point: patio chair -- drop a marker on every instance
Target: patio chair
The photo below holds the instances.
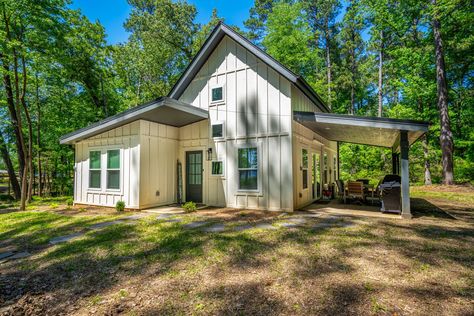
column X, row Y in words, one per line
column 341, row 193
column 355, row 190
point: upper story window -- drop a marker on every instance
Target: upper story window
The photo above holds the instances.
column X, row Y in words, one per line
column 94, row 169
column 113, row 169
column 217, row 130
column 217, row 94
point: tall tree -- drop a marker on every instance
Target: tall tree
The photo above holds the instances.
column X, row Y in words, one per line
column 322, row 18
column 446, row 136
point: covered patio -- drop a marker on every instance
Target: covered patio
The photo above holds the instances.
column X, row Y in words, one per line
column 396, row 134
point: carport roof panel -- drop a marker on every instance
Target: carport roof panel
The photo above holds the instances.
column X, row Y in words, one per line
column 164, row 110
column 375, row 131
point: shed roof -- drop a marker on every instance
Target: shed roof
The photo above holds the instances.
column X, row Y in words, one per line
column 163, row 110
column 375, row 131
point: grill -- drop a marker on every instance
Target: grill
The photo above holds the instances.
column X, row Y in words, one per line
column 390, row 192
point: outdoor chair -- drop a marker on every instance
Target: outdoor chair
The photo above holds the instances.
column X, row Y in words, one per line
column 341, row 192
column 355, row 190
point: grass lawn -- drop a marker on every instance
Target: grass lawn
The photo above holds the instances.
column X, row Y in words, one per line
column 383, row 266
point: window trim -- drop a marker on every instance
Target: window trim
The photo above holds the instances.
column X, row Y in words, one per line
column 215, row 86
column 223, row 130
column 103, row 174
column 107, row 169
column 90, row 169
column 216, row 174
column 259, row 174
column 304, row 168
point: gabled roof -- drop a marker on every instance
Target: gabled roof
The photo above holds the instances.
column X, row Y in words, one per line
column 163, row 110
column 210, row 45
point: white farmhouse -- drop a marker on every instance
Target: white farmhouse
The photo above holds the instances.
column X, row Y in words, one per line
column 238, row 130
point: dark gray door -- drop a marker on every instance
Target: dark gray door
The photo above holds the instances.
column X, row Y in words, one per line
column 194, row 176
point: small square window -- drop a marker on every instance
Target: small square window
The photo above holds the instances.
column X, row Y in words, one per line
column 217, row 130
column 217, row 94
column 217, row 168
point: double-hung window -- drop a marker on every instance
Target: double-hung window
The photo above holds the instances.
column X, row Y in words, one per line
column 248, row 168
column 113, row 169
column 94, row 169
column 304, row 164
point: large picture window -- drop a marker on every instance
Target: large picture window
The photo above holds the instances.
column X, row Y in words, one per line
column 248, row 168
column 113, row 169
column 304, row 164
column 94, row 170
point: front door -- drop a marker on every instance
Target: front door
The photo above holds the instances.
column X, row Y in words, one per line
column 194, row 176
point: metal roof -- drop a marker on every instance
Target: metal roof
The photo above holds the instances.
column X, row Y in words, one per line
column 211, row 43
column 375, row 131
column 163, row 110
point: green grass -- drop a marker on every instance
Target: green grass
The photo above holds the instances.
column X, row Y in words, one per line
column 463, row 197
column 302, row 271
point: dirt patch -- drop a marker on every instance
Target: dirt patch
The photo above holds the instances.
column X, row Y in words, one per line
column 233, row 215
column 459, row 188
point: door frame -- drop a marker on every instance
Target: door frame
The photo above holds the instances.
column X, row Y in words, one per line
column 186, row 166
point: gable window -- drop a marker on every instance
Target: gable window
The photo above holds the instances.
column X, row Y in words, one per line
column 94, row 170
column 304, row 164
column 217, row 130
column 248, row 168
column 217, row 94
column 113, row 169
column 217, row 168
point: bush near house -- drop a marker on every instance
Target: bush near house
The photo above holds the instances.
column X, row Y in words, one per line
column 120, row 206
column 189, row 207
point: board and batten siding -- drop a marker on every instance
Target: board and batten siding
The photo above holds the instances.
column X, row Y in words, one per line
column 127, row 139
column 256, row 112
column 158, row 161
column 304, row 138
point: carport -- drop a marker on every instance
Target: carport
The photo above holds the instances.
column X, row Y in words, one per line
column 396, row 134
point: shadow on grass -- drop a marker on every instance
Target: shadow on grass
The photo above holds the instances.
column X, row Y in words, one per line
column 423, row 208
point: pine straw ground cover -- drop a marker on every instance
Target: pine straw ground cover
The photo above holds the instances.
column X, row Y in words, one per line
column 379, row 266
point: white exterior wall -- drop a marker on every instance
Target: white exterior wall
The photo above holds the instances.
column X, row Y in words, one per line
column 304, row 138
column 158, row 161
column 127, row 139
column 256, row 111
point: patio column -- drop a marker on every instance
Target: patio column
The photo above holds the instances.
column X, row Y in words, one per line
column 404, row 174
column 395, row 163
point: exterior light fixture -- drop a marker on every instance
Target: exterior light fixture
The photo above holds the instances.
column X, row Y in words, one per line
column 209, row 154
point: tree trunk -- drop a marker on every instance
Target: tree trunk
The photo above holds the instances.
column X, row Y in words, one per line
column 380, row 93
column 427, row 161
column 11, row 171
column 328, row 62
column 38, row 139
column 446, row 136
column 353, row 76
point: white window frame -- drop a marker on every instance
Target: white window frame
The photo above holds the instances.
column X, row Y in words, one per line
column 259, row 174
column 303, row 168
column 223, row 171
column 215, row 86
column 107, row 169
column 103, row 174
column 223, row 130
column 89, row 171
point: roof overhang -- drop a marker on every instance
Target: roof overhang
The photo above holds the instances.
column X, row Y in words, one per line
column 211, row 43
column 164, row 110
column 375, row 131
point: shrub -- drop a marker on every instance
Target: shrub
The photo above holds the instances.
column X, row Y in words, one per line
column 189, row 207
column 70, row 201
column 120, row 206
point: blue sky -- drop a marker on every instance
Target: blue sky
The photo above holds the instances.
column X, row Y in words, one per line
column 113, row 13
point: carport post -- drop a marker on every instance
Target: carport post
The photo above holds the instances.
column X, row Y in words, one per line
column 404, row 174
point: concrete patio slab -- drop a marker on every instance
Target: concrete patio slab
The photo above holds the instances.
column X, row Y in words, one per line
column 7, row 254
column 216, row 228
column 265, row 226
column 61, row 239
column 242, row 227
column 196, row 224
